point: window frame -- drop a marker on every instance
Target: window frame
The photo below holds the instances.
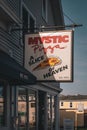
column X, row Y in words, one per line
column 62, row 104
column 29, row 14
column 44, row 9
column 3, row 102
column 33, row 104
column 22, row 37
column 28, row 107
column 71, row 104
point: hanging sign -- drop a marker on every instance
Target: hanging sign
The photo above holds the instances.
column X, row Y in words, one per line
column 48, row 55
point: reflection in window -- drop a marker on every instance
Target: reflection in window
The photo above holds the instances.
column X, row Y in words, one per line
column 70, row 104
column 2, row 106
column 22, row 107
column 32, row 104
column 51, row 114
column 61, row 103
column 44, row 9
column 32, row 24
column 27, row 109
column 32, row 109
column 28, row 21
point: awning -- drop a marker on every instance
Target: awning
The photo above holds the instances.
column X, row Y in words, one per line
column 13, row 72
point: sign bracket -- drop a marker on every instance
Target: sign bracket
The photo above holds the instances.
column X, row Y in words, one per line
column 46, row 28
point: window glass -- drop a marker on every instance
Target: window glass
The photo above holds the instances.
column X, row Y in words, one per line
column 51, row 114
column 44, row 9
column 22, row 111
column 61, row 103
column 28, row 22
column 41, row 110
column 27, row 109
column 25, row 20
column 32, row 104
column 32, row 24
column 70, row 104
column 32, row 109
column 2, row 105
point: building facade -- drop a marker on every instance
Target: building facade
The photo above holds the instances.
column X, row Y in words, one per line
column 24, row 103
column 75, row 109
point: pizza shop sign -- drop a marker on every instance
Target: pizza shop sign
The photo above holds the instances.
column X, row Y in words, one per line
column 48, row 55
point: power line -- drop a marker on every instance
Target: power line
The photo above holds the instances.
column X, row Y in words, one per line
column 69, row 18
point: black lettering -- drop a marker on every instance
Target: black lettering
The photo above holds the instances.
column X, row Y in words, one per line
column 53, row 72
column 47, row 75
column 33, row 60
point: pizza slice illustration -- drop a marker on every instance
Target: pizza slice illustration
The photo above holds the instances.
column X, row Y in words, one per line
column 49, row 62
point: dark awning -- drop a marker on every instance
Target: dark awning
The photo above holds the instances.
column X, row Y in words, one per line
column 13, row 72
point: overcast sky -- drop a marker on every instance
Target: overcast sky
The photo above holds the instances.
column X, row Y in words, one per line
column 76, row 10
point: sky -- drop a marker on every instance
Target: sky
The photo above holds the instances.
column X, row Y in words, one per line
column 75, row 11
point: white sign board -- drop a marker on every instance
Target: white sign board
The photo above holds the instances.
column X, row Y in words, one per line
column 68, row 124
column 48, row 55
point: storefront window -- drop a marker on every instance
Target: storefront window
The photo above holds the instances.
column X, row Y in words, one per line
column 50, row 112
column 2, row 105
column 41, row 110
column 26, row 109
column 53, row 114
column 32, row 110
column 22, row 114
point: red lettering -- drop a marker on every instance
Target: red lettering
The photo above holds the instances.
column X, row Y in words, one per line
column 65, row 38
column 48, row 39
column 46, row 49
column 34, row 40
column 37, row 47
column 60, row 39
